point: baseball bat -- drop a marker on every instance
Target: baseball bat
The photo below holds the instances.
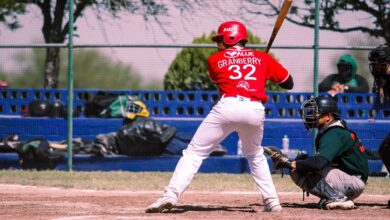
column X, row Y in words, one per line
column 279, row 21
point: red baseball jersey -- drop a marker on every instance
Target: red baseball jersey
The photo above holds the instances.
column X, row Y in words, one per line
column 244, row 72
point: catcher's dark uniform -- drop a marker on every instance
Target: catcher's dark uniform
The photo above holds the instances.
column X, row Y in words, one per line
column 340, row 160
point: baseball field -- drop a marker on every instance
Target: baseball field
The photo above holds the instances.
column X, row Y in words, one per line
column 124, row 195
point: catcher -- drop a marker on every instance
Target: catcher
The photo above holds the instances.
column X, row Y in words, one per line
column 338, row 173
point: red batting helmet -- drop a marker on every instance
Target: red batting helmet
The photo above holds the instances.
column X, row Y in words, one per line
column 231, row 32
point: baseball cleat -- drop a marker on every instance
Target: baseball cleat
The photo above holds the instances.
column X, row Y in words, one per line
column 162, row 204
column 342, row 204
column 272, row 208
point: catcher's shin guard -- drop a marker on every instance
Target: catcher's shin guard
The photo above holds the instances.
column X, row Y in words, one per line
column 330, row 198
column 323, row 190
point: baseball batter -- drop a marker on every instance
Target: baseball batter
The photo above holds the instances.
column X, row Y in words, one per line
column 241, row 76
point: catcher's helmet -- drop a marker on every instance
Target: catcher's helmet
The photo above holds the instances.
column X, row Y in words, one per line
column 314, row 107
column 379, row 59
column 231, row 32
column 136, row 108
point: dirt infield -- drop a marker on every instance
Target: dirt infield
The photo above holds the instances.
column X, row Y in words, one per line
column 28, row 202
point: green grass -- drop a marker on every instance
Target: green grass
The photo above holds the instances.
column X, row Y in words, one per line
column 138, row 181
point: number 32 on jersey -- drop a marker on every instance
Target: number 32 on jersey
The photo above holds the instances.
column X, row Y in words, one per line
column 247, row 71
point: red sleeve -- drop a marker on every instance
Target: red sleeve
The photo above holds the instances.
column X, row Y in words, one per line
column 275, row 71
column 210, row 69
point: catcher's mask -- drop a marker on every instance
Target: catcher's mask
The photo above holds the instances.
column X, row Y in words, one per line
column 231, row 33
column 379, row 60
column 312, row 108
column 136, row 108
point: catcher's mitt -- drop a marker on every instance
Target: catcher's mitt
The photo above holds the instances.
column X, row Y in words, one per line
column 279, row 159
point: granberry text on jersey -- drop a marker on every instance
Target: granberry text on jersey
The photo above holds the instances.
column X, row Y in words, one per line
column 241, row 60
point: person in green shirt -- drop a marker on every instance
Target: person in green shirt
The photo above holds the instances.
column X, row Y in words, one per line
column 338, row 172
column 346, row 80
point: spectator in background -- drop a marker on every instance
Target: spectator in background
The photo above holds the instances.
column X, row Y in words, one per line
column 346, row 80
column 379, row 59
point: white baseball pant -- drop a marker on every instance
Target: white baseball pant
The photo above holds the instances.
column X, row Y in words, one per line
column 228, row 115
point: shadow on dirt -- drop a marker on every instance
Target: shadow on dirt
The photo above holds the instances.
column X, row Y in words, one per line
column 300, row 205
column 382, row 205
column 197, row 208
column 295, row 205
column 250, row 208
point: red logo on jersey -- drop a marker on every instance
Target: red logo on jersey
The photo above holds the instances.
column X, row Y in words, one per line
column 243, row 84
column 361, row 148
column 353, row 136
column 234, row 54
